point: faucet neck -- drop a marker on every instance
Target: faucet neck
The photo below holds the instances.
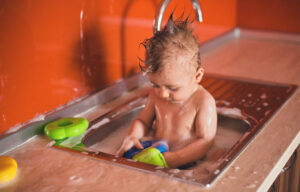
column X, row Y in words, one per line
column 162, row 9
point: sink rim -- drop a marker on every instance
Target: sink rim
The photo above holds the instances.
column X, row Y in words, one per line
column 255, row 126
column 135, row 108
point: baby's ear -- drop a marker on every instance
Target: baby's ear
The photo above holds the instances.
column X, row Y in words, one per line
column 199, row 74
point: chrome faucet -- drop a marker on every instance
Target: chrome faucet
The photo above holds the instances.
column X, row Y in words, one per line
column 163, row 6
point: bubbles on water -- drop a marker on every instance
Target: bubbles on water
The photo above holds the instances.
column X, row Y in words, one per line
column 188, row 173
column 251, row 186
column 131, row 160
column 158, row 167
column 223, row 102
column 236, row 168
column 162, row 173
column 175, row 171
column 75, row 179
column 50, row 144
column 258, row 108
column 231, row 112
column 267, row 112
column 263, row 96
column 265, row 104
column 171, row 175
column 217, row 172
column 250, row 95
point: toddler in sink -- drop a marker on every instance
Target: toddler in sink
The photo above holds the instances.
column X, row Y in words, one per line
column 178, row 108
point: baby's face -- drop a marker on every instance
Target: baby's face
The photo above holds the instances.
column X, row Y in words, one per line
column 175, row 85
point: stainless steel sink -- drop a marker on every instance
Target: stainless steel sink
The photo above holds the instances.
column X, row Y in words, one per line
column 108, row 137
column 243, row 106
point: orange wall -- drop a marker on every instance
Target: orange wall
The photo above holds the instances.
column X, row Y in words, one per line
column 278, row 15
column 52, row 52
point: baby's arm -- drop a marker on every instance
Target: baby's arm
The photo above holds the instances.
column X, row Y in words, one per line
column 205, row 127
column 139, row 126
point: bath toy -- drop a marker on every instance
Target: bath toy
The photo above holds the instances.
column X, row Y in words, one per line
column 76, row 146
column 66, row 127
column 160, row 144
column 8, row 168
column 151, row 154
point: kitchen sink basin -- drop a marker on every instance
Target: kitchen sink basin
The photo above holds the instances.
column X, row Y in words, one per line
column 243, row 107
column 108, row 138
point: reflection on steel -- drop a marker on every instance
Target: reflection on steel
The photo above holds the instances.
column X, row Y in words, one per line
column 12, row 139
column 164, row 4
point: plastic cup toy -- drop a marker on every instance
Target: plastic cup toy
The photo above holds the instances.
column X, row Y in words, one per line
column 8, row 168
column 151, row 154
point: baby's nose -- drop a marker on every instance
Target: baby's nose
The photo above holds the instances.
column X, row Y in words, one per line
column 164, row 93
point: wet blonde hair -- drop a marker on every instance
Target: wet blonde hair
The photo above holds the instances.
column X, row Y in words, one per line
column 176, row 39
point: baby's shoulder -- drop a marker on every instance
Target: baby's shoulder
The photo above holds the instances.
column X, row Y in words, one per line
column 203, row 98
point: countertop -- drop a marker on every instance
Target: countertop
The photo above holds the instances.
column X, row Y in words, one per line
column 263, row 56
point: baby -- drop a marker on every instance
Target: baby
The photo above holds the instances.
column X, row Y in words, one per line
column 179, row 109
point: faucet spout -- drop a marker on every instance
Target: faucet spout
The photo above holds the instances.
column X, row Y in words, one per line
column 162, row 9
column 197, row 8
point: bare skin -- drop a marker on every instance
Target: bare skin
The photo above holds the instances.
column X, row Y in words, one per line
column 185, row 115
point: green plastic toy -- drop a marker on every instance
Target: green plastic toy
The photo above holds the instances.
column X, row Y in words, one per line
column 152, row 156
column 75, row 145
column 66, row 127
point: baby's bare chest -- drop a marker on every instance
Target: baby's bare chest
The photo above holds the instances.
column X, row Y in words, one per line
column 175, row 119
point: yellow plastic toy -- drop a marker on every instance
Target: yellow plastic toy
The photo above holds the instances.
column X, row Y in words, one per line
column 8, row 168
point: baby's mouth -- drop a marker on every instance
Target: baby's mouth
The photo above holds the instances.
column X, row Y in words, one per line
column 173, row 101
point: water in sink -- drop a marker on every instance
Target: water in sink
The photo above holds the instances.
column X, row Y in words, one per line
column 229, row 131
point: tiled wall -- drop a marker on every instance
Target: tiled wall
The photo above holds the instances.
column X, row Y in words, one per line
column 52, row 52
column 277, row 15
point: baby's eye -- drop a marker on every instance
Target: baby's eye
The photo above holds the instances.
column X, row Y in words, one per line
column 154, row 85
column 174, row 89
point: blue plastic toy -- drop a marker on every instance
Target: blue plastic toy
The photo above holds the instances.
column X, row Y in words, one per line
column 151, row 154
column 159, row 144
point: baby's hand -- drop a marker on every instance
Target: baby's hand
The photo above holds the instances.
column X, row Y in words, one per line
column 128, row 143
